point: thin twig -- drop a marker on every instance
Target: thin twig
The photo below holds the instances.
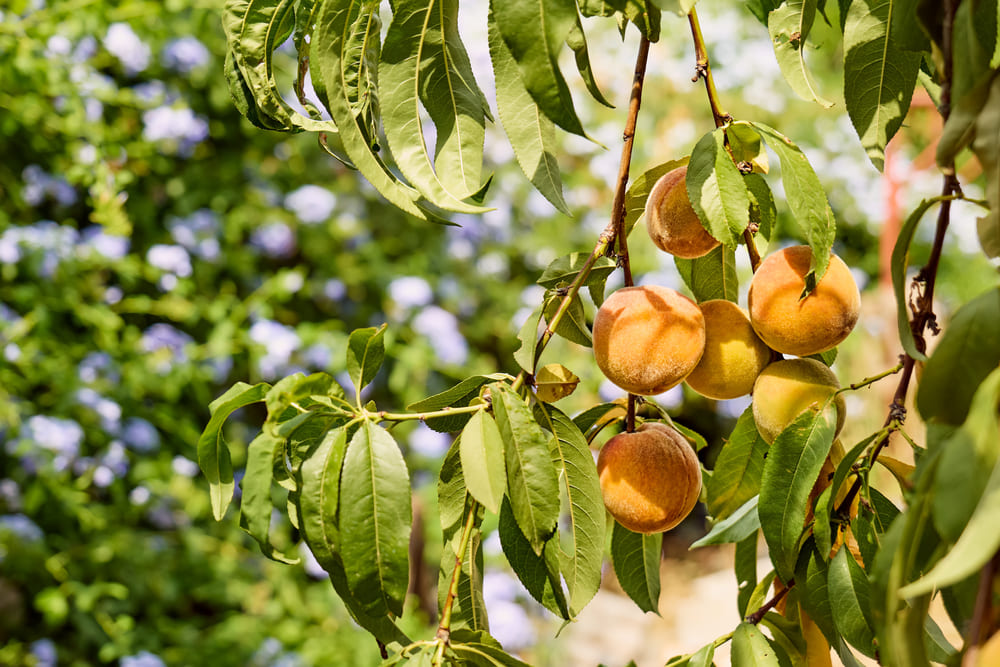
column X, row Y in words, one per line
column 758, row 615
column 873, row 379
column 982, row 615
column 703, row 70
column 444, row 628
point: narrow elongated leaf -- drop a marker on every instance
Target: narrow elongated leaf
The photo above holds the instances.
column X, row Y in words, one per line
column 255, row 503
column 745, row 567
column 716, row 189
column 365, row 352
column 636, row 559
column 535, row 32
column 747, row 148
column 848, row 589
column 213, row 453
column 375, row 517
column 254, row 30
column 531, row 133
column 573, row 324
column 967, row 353
column 711, row 276
column 469, row 607
column 483, row 460
column 577, row 40
column 343, row 31
column 458, row 396
column 751, row 648
column 879, row 76
column 792, row 466
column 823, row 529
column 532, row 485
column 485, row 655
column 811, row 578
column 763, row 212
column 638, row 192
column 900, row 260
column 319, row 482
column 424, row 62
column 805, row 197
column 582, row 536
column 537, row 570
column 986, row 146
column 787, row 637
column 738, row 469
column 599, row 415
column 789, row 26
column 738, row 526
column 528, row 335
column 966, row 462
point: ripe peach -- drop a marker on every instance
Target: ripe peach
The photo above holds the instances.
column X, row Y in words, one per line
column 802, row 327
column 647, row 339
column 786, row 388
column 650, row 478
column 671, row 222
column 734, row 354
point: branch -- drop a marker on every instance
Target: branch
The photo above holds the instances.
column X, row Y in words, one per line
column 703, row 70
column 444, row 629
column 758, row 615
column 982, row 615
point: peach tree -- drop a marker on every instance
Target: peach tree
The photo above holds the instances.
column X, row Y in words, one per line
column 384, row 94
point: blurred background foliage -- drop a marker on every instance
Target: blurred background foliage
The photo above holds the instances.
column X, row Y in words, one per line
column 155, row 248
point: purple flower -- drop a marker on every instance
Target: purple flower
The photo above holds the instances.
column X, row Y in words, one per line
column 441, row 329
column 185, row 54
column 171, row 258
column 197, row 232
column 122, row 42
column 184, row 467
column 22, row 527
column 180, row 125
column 311, row 203
column 280, row 342
column 57, row 435
column 142, row 659
column 162, row 336
column 141, row 436
column 410, row 292
column 276, row 239
column 45, row 653
column 428, row 442
column 95, row 240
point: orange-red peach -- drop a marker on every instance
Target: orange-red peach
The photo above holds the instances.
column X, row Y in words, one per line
column 791, row 324
column 671, row 221
column 650, row 478
column 648, row 339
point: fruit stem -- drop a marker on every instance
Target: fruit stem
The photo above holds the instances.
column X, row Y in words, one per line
column 444, row 628
column 703, row 70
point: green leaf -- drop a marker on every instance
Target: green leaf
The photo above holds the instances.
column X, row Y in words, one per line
column 805, row 197
column 967, row 353
column 213, row 454
column 746, row 147
column 458, row 396
column 745, row 567
column 907, row 31
column 986, row 146
column 469, row 607
column 966, row 461
column 751, row 649
column 823, row 529
column 483, row 460
column 318, row 499
column 484, row 655
column 424, row 64
column 573, row 324
column 980, row 538
column 255, row 503
column 599, row 414
column 532, row 485
column 789, row 26
column 563, row 271
column 528, row 335
column 638, row 192
column 254, row 30
column 738, row 526
column 787, row 637
column 716, row 189
column 532, row 135
column 636, row 559
column 879, row 76
column 848, row 588
column 792, row 466
column 538, row 569
column 811, row 577
column 365, row 353
column 534, row 32
column 645, row 15
column 762, row 208
column 343, row 33
column 375, row 516
column 900, row 260
column 577, row 41
column 738, row 469
column 711, row 276
column 582, row 535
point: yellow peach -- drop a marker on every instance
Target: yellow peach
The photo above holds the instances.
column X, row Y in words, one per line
column 785, row 388
column 671, row 222
column 734, row 354
column 650, row 478
column 791, row 324
column 648, row 339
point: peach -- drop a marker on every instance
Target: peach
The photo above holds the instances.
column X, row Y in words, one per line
column 792, row 325
column 671, row 221
column 734, row 354
column 648, row 339
column 786, row 388
column 650, row 478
